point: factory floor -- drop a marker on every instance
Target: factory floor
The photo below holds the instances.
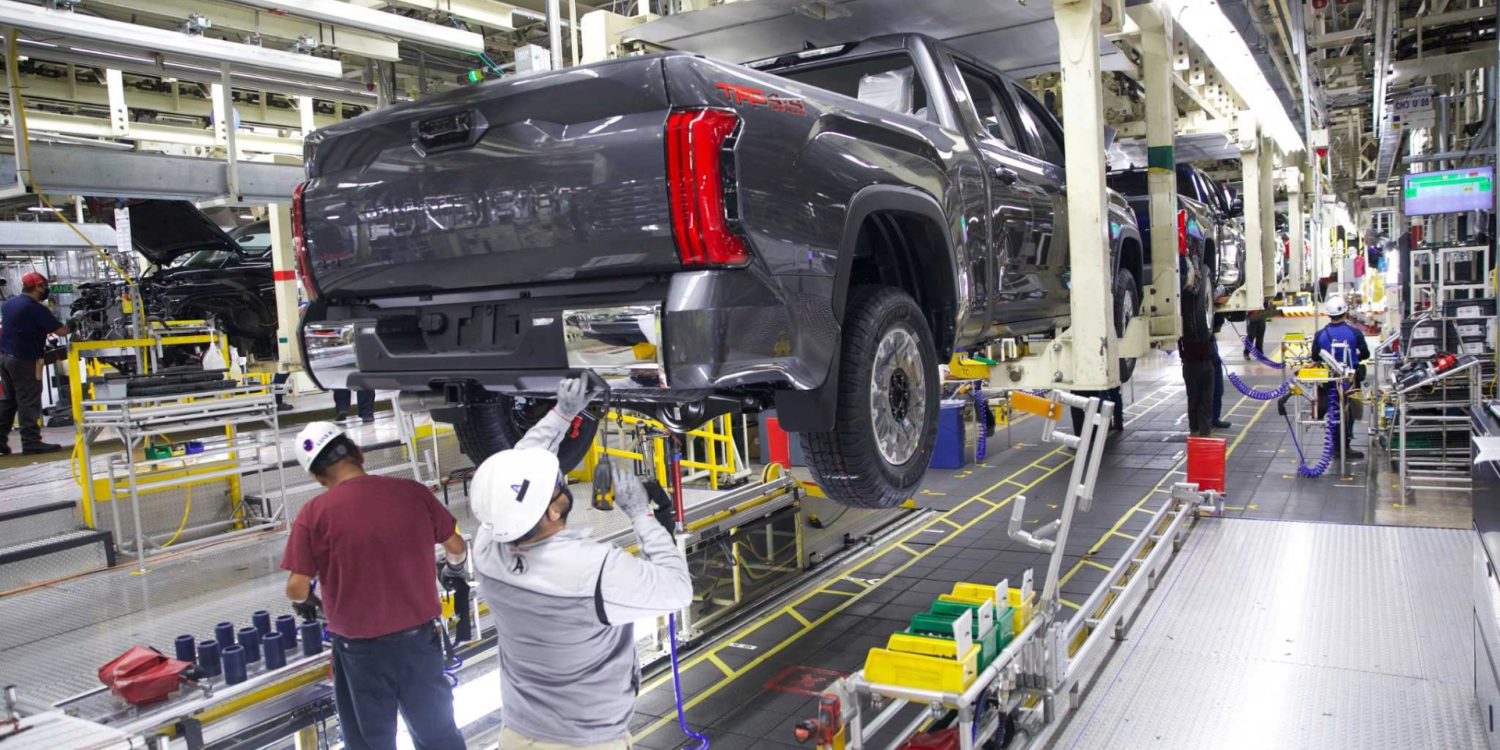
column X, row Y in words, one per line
column 1292, row 616
column 1290, row 545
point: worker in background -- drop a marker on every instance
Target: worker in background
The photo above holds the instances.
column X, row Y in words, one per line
column 365, row 402
column 25, row 324
column 568, row 668
column 369, row 541
column 1347, row 344
column 1255, row 327
column 1197, row 350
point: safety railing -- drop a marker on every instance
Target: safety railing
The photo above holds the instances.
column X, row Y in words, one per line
column 711, row 453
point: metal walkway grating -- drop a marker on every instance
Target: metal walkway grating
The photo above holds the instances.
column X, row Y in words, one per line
column 1276, row 634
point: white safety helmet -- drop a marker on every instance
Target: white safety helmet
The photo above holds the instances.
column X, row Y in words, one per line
column 1335, row 306
column 512, row 490
column 313, row 439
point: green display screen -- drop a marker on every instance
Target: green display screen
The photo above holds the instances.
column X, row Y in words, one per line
column 1450, row 191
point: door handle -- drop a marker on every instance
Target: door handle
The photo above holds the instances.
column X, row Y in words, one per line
column 1006, row 175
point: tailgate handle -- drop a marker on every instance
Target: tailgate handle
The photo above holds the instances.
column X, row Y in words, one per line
column 447, row 131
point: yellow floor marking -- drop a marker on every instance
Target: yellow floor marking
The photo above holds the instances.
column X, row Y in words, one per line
column 862, row 584
column 792, row 638
column 836, row 592
column 986, row 501
column 1122, row 535
column 950, row 522
column 716, row 661
column 902, row 546
column 1066, row 603
column 798, row 616
column 1093, row 564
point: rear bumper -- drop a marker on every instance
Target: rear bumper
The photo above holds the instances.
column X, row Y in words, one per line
column 655, row 340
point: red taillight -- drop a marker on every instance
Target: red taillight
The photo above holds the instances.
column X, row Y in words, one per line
column 299, row 245
column 1182, row 235
column 695, row 178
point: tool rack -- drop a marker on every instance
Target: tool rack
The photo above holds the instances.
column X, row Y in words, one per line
column 231, row 456
column 1435, row 407
column 1050, row 657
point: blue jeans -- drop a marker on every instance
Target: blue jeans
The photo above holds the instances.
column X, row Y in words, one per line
column 366, row 402
column 373, row 679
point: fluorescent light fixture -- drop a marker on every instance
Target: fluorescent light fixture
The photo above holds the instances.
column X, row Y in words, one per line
column 354, row 16
column 1221, row 41
column 214, row 51
column 152, row 65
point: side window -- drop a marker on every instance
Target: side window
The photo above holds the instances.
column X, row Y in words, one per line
column 989, row 105
column 1038, row 124
column 886, row 81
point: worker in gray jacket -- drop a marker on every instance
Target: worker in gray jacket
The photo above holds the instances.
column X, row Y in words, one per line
column 565, row 605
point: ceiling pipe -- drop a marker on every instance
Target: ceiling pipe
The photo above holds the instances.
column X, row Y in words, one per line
column 353, row 16
column 554, row 33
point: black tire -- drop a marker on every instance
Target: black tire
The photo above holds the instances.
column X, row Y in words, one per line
column 848, row 462
column 1198, row 310
column 1127, row 305
column 487, row 428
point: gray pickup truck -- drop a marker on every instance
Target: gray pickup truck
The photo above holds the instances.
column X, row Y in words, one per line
column 815, row 233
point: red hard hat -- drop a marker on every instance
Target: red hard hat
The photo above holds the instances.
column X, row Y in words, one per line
column 32, row 280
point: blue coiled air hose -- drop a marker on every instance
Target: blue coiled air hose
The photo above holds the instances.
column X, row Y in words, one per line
column 1330, row 438
column 677, row 688
column 1258, row 395
column 1256, row 353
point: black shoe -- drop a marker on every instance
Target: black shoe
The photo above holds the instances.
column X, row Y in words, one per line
column 4, row 447
column 283, row 406
column 1223, row 424
column 41, row 448
column 1351, row 453
column 340, row 416
column 1247, row 354
column 368, row 419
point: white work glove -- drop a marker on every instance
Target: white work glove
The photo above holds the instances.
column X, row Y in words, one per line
column 572, row 397
column 630, row 495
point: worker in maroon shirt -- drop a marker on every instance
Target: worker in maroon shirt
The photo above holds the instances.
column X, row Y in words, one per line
column 369, row 541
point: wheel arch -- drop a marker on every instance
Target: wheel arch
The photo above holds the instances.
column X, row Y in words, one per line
column 905, row 222
column 934, row 278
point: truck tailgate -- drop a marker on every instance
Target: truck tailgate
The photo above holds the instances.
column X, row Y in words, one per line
column 550, row 177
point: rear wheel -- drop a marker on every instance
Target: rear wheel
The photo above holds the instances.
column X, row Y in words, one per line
column 1127, row 304
column 887, row 408
column 488, row 427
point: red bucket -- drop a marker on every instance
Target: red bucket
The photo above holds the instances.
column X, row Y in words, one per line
column 1205, row 462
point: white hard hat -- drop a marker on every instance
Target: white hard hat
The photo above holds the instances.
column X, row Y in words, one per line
column 313, row 439
column 512, row 490
column 1335, row 306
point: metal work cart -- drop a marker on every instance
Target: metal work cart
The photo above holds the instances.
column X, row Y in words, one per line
column 230, row 456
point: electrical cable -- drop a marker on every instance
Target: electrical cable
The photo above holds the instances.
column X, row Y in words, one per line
column 484, row 57
column 677, row 688
column 188, row 509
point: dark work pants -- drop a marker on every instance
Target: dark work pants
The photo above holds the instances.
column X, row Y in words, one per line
column 1255, row 330
column 373, row 679
column 22, row 401
column 1117, row 420
column 1218, row 407
column 366, row 398
column 1198, row 376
